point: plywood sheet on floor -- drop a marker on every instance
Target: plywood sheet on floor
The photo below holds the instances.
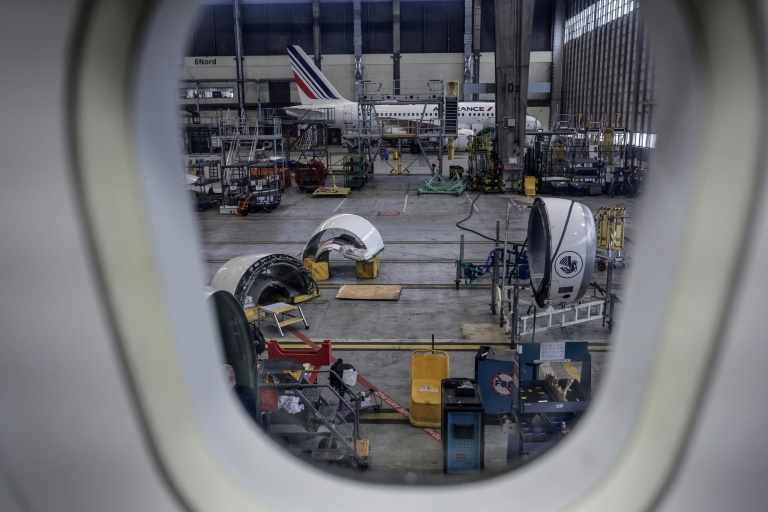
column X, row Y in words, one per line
column 483, row 333
column 369, row 292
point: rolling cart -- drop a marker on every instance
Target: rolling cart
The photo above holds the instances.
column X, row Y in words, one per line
column 265, row 190
column 310, row 176
column 366, row 399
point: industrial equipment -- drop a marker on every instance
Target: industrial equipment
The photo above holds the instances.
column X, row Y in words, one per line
column 437, row 185
column 497, row 372
column 428, row 369
column 352, row 236
column 561, row 250
column 355, row 167
column 299, row 406
column 549, row 406
column 463, row 426
column 561, row 258
column 610, row 223
column 516, row 265
column 265, row 279
column 484, row 167
column 310, row 176
column 282, row 313
column 316, row 357
column 250, row 187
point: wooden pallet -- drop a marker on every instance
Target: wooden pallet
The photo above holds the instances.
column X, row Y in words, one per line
column 331, row 192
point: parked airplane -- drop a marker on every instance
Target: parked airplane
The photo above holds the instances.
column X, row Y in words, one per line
column 317, row 92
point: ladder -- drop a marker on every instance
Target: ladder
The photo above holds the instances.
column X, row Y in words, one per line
column 327, row 408
column 307, row 139
column 283, row 314
column 451, row 116
column 239, row 135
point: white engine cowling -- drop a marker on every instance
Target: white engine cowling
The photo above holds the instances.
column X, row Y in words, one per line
column 561, row 250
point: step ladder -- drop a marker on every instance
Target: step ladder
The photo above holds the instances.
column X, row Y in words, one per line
column 283, row 314
column 307, row 138
column 343, row 437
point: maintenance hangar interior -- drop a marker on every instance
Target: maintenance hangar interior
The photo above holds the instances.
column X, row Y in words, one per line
column 329, row 253
column 420, row 257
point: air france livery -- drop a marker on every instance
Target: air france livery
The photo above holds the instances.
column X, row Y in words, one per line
column 317, row 93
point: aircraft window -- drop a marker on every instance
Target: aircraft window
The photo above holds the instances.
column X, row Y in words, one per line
column 164, row 244
column 461, row 431
column 255, row 190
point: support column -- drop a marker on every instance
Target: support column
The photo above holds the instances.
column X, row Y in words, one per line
column 316, row 32
column 396, row 45
column 357, row 39
column 514, row 24
column 239, row 57
column 476, row 46
column 197, row 98
column 467, row 41
column 558, row 38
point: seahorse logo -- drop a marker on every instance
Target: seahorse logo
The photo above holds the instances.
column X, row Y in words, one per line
column 569, row 264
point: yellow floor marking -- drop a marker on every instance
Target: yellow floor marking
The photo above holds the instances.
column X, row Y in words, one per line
column 380, row 416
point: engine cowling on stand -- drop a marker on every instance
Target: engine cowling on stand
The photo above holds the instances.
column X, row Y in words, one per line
column 561, row 250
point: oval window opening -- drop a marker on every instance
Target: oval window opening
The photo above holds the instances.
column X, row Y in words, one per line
column 398, row 306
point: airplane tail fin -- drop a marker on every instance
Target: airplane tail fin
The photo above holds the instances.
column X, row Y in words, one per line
column 313, row 86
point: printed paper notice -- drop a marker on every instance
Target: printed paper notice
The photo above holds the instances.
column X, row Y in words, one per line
column 554, row 351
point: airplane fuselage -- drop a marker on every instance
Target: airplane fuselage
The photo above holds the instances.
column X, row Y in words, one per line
column 470, row 114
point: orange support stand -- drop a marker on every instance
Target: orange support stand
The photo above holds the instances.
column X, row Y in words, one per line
column 320, row 357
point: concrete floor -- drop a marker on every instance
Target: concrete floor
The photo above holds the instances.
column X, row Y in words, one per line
column 421, row 245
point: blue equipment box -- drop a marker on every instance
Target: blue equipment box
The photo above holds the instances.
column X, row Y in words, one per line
column 463, row 426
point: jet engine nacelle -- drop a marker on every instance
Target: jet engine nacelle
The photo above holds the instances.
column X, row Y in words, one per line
column 561, row 250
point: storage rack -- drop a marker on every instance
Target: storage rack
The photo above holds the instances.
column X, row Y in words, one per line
column 578, row 158
column 542, row 418
column 484, row 173
column 354, row 171
column 258, row 187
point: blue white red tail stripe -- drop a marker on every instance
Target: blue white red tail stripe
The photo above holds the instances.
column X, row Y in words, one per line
column 310, row 80
column 310, row 76
column 305, row 79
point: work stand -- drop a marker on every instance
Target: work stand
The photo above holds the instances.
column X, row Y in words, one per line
column 283, row 314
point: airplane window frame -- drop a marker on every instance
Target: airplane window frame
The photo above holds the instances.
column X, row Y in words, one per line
column 220, row 462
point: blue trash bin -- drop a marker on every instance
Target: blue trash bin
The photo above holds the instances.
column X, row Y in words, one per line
column 384, row 153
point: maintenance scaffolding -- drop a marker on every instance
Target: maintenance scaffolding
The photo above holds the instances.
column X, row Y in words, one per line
column 369, row 129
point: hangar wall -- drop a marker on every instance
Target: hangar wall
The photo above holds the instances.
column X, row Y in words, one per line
column 608, row 66
column 590, row 59
column 431, row 46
